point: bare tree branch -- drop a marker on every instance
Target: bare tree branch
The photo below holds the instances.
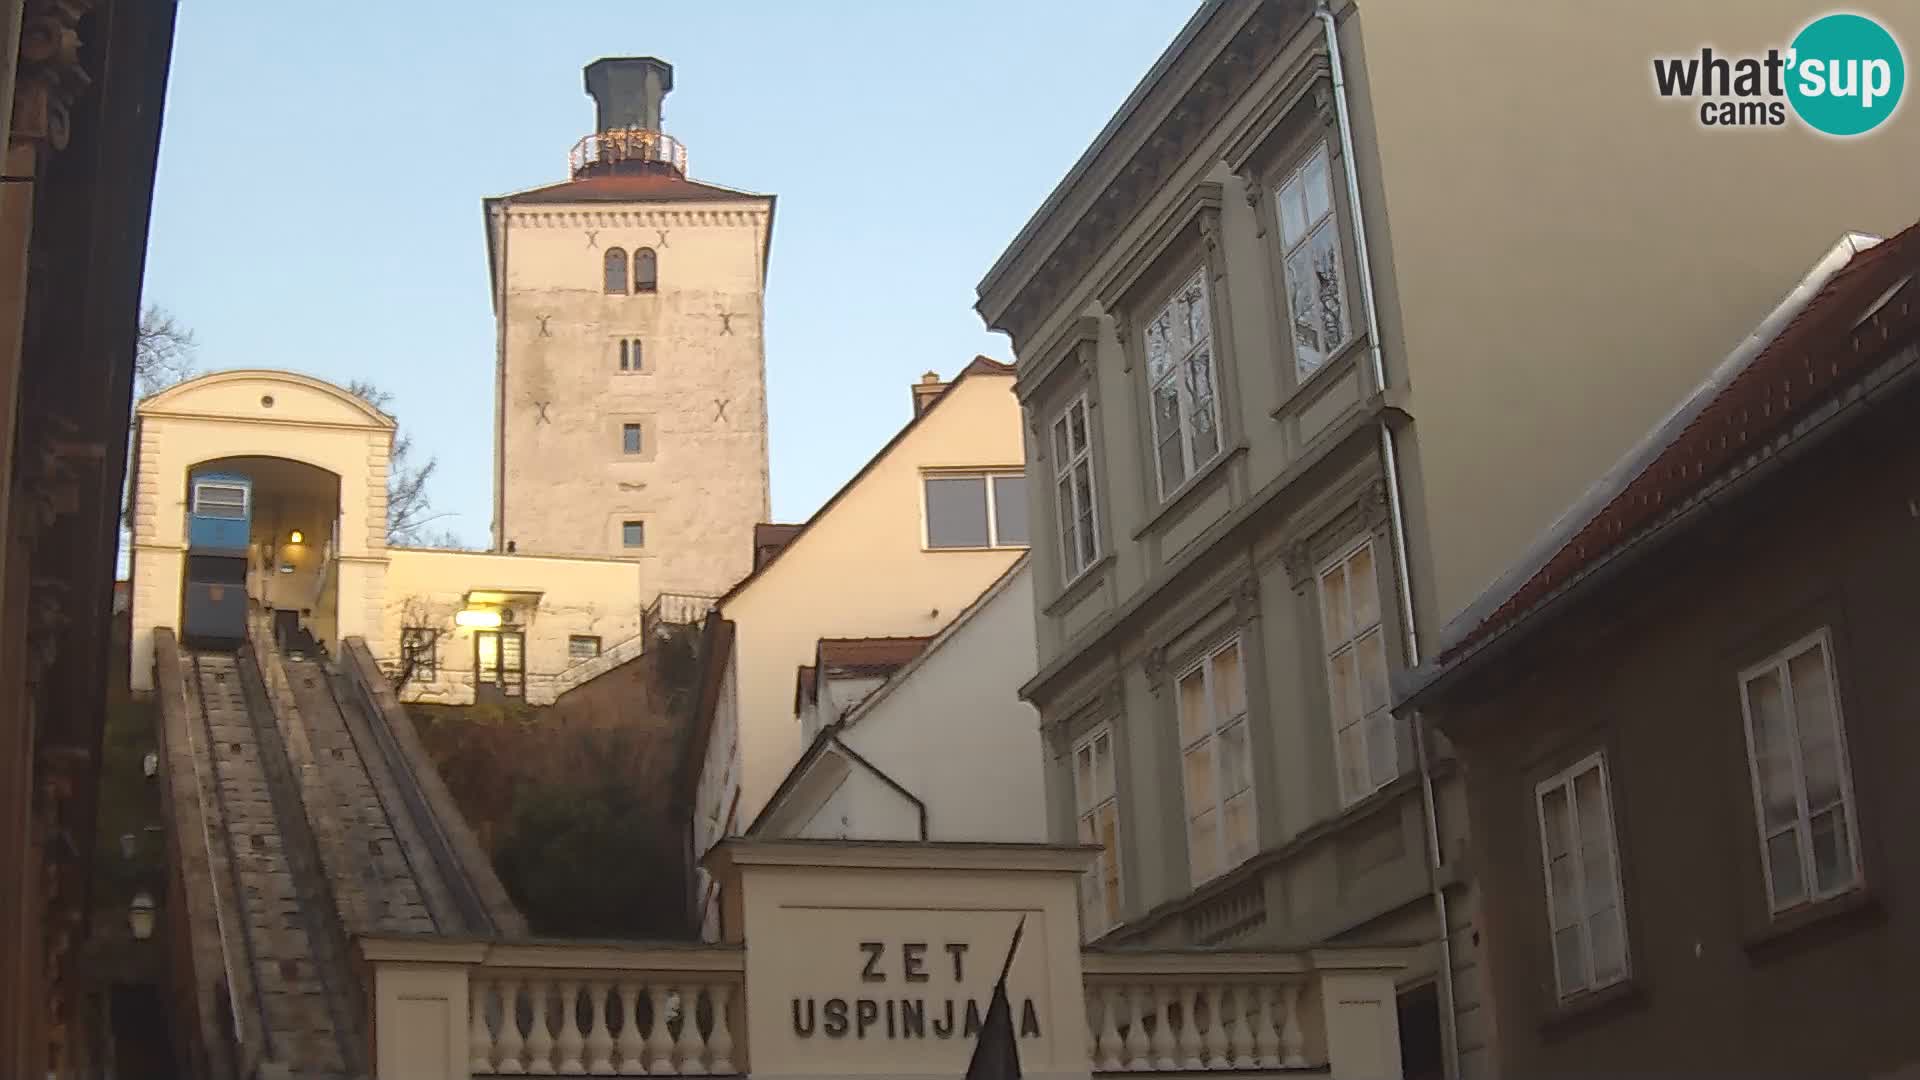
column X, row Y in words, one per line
column 409, row 509
column 163, row 351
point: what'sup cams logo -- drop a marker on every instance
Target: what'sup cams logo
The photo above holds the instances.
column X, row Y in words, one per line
column 1843, row 75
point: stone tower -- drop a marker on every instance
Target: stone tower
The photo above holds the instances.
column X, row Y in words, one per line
column 630, row 385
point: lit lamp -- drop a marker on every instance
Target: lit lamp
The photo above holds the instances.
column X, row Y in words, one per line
column 140, row 915
column 295, row 537
column 477, row 618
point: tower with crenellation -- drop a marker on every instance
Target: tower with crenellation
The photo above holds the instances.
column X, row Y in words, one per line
column 630, row 385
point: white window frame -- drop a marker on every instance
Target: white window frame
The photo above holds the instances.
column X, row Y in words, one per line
column 1811, row 892
column 1087, row 807
column 986, row 477
column 1565, row 780
column 1191, row 466
column 1330, row 219
column 1216, row 723
column 246, row 496
column 1075, row 539
column 1332, row 650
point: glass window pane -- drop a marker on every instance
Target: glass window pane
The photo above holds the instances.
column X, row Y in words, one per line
column 1333, row 608
column 1330, row 304
column 1236, row 760
column 1819, row 735
column 1609, row 946
column 1783, row 866
column 1570, row 960
column 1596, row 860
column 630, row 438
column 1832, row 851
column 1364, row 588
column 1563, row 881
column 1352, row 751
column 1304, row 304
column 1557, row 821
column 1083, row 777
column 1077, row 426
column 1343, row 694
column 1102, row 767
column 1316, row 183
column 615, row 265
column 1062, row 454
column 1010, row 509
column 487, row 644
column 1293, row 212
column 1229, row 688
column 633, row 534
column 1194, row 305
column 1773, row 750
column 1383, row 757
column 1203, row 431
column 956, row 511
column 1069, row 543
column 1083, row 503
column 1198, row 770
column 1166, row 430
column 1194, row 722
column 1370, row 656
column 1160, row 351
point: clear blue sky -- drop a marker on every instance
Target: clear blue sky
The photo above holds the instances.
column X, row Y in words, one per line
column 322, row 166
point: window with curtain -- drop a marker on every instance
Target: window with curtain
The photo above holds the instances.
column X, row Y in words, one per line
column 1802, row 787
column 1216, row 764
column 616, row 271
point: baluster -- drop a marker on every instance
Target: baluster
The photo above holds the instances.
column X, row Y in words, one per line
column 659, row 1042
column 633, row 1048
column 479, row 1038
column 1093, row 1029
column 1190, row 1027
column 599, row 1031
column 1109, row 1042
column 1139, row 1050
column 570, row 1040
column 691, row 1048
column 1163, row 1030
column 721, row 1041
column 1293, row 1044
column 1228, row 1001
column 512, row 1050
column 1266, row 1043
column 540, row 1039
column 1216, row 1037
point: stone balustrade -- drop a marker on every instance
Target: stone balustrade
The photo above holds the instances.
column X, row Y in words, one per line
column 1193, row 1011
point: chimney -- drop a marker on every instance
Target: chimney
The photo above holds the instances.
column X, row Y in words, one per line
column 627, row 91
column 924, row 391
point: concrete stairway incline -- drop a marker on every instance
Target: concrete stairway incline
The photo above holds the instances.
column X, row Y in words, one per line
column 300, row 817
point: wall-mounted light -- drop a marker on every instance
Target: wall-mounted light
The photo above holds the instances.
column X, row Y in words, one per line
column 296, row 537
column 150, row 765
column 480, row 618
column 140, row 915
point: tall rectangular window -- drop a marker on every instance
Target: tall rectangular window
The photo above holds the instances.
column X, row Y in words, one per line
column 1366, row 741
column 978, row 510
column 633, row 534
column 1310, row 248
column 1073, row 479
column 1097, row 807
column 1216, row 764
column 1802, row 784
column 1582, row 864
column 1180, row 379
column 629, row 438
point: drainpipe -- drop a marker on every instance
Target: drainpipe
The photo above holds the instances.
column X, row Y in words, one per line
column 1396, row 514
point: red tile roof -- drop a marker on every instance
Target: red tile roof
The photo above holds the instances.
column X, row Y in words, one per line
column 769, row 538
column 657, row 185
column 1831, row 343
column 869, row 656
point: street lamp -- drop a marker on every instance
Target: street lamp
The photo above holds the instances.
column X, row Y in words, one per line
column 140, row 915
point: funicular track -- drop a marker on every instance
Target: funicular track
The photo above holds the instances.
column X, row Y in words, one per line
column 285, row 951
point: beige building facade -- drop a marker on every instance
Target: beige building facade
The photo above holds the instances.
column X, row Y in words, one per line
column 464, row 626
column 631, row 392
column 872, row 562
column 1310, row 342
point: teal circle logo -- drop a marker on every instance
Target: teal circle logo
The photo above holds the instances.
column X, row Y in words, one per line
column 1846, row 74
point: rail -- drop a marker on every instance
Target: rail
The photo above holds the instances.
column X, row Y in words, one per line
column 675, row 609
column 609, row 148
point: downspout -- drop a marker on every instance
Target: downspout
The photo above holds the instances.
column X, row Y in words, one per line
column 1396, row 515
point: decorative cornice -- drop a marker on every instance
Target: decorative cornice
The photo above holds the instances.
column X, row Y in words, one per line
column 50, row 76
column 1298, row 560
column 1168, row 147
column 613, row 219
column 1246, row 600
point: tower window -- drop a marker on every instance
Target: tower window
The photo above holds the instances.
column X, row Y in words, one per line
column 646, row 270
column 616, row 271
column 633, row 534
column 630, row 438
column 630, row 354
